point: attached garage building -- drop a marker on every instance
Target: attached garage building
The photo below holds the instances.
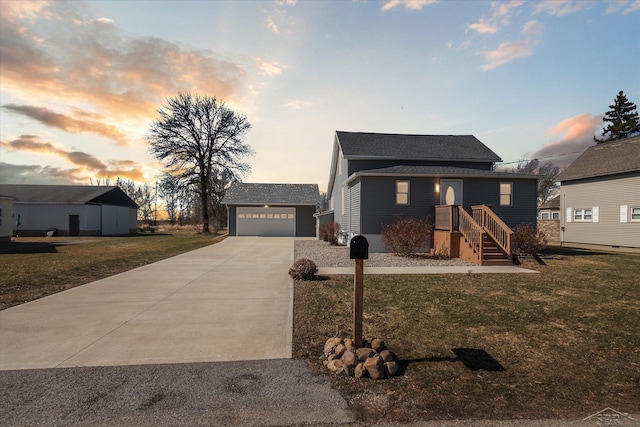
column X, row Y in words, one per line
column 271, row 209
column 74, row 210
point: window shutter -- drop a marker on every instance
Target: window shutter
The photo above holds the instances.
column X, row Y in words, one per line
column 595, row 214
column 623, row 213
column 569, row 213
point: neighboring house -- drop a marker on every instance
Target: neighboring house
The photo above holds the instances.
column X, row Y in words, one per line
column 600, row 196
column 74, row 210
column 549, row 219
column 271, row 209
column 6, row 218
column 376, row 177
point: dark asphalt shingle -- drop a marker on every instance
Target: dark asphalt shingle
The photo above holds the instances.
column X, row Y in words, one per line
column 442, row 172
column 241, row 193
column 416, row 147
column 67, row 194
column 608, row 158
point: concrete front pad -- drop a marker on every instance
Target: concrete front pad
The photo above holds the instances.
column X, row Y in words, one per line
column 228, row 301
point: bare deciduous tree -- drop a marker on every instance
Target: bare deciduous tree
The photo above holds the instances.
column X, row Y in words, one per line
column 548, row 172
column 197, row 137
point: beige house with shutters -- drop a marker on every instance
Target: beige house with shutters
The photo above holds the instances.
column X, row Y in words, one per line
column 600, row 197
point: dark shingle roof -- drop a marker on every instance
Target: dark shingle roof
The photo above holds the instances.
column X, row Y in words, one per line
column 416, row 147
column 604, row 159
column 551, row 204
column 67, row 194
column 242, row 193
column 441, row 172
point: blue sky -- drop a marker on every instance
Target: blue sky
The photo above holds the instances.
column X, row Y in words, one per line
column 80, row 81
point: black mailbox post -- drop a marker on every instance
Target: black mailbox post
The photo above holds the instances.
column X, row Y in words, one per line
column 359, row 247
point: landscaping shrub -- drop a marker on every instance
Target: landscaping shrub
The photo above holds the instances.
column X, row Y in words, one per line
column 528, row 240
column 330, row 232
column 406, row 236
column 303, row 269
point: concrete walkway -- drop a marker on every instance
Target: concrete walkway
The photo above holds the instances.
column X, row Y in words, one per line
column 225, row 302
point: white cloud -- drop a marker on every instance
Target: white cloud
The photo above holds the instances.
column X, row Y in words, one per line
column 484, row 27
column 635, row 6
column 106, row 21
column 561, row 7
column 500, row 17
column 296, row 104
column 271, row 24
column 506, row 52
column 272, row 68
column 408, row 4
column 533, row 27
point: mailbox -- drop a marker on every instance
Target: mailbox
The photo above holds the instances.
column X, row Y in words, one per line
column 359, row 248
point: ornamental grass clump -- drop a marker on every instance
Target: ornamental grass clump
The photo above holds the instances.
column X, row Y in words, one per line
column 303, row 269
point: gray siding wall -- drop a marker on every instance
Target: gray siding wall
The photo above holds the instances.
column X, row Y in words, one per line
column 305, row 222
column 378, row 201
column 354, row 207
column 231, row 217
column 336, row 195
column 360, row 165
column 608, row 195
column 487, row 191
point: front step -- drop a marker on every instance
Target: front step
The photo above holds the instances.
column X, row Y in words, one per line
column 492, row 255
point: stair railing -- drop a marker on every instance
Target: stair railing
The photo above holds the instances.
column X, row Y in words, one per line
column 494, row 227
column 471, row 231
column 446, row 217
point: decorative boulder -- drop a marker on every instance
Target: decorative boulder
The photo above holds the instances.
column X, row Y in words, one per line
column 335, row 365
column 363, row 353
column 391, row 368
column 387, row 356
column 375, row 367
column 349, row 359
column 349, row 344
column 378, row 345
column 330, row 345
column 359, row 371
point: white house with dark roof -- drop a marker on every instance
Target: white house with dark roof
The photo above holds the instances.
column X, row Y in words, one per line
column 6, row 218
column 376, row 177
column 271, row 209
column 600, row 196
column 74, row 210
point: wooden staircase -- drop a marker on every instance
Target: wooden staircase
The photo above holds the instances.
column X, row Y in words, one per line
column 479, row 236
column 492, row 254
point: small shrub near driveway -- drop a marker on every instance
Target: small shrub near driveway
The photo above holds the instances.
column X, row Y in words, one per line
column 528, row 240
column 303, row 269
column 406, row 236
column 329, row 232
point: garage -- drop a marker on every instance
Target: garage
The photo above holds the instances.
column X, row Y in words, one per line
column 271, row 210
column 270, row 221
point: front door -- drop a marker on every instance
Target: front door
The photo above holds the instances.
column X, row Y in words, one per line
column 451, row 192
column 74, row 225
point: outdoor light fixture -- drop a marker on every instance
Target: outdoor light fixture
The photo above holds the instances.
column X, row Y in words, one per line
column 266, row 206
column 437, row 187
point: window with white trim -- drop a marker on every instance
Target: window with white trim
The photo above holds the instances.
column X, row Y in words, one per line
column 555, row 215
column 584, row 215
column 545, row 215
column 402, row 192
column 635, row 214
column 506, row 194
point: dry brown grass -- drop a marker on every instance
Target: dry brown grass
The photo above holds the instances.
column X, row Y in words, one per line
column 36, row 267
column 561, row 344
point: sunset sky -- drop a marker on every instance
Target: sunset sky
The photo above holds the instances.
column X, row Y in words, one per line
column 80, row 82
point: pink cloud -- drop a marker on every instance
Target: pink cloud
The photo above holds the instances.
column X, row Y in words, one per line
column 577, row 135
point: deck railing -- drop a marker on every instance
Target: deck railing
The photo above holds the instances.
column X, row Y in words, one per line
column 471, row 231
column 494, row 226
column 446, row 217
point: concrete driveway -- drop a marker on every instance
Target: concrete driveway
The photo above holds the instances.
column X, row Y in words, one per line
column 225, row 302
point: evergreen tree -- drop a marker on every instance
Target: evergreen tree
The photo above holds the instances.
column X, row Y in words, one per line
column 622, row 118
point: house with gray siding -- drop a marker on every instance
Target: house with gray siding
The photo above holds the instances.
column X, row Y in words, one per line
column 73, row 210
column 271, row 209
column 376, row 177
column 600, row 197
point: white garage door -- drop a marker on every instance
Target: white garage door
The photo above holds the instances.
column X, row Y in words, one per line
column 270, row 221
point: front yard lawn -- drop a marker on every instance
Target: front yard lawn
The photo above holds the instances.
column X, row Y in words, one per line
column 36, row 267
column 561, row 344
